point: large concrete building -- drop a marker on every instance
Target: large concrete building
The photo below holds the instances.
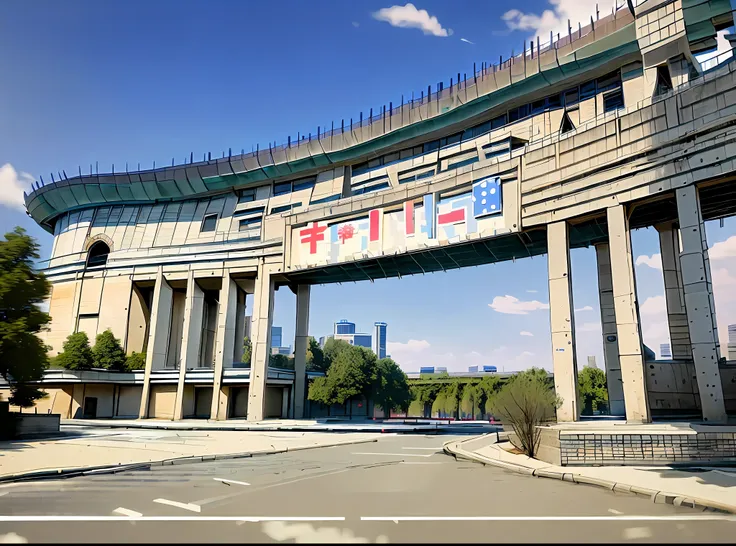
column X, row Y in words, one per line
column 612, row 126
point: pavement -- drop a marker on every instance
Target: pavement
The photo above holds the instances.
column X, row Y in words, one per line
column 697, row 486
column 400, row 488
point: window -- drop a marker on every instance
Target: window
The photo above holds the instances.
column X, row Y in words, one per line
column 664, row 82
column 566, row 125
column 555, row 101
column 246, row 196
column 572, row 96
column 613, row 100
column 285, row 208
column 539, row 106
column 282, row 188
column 305, row 183
column 587, row 90
column 97, row 255
column 249, row 223
column 462, row 163
column 606, row 83
column 327, row 199
column 209, row 223
column 365, row 189
column 499, row 121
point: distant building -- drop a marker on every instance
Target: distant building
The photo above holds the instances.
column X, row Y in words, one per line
column 323, row 340
column 732, row 341
column 591, row 362
column 276, row 336
column 441, row 370
column 426, row 369
column 344, row 327
column 473, row 369
column 379, row 339
column 490, row 369
column 665, row 352
column 360, row 340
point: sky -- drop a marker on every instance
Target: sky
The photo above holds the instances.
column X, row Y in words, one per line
column 136, row 82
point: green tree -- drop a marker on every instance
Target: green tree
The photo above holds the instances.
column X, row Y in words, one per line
column 22, row 354
column 281, row 361
column 391, row 389
column 108, row 353
column 592, row 390
column 247, row 350
column 487, row 388
column 316, row 361
column 524, row 404
column 333, row 347
column 352, row 373
column 77, row 354
column 135, row 361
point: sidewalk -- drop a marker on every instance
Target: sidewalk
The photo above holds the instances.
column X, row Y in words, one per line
column 699, row 487
column 85, row 449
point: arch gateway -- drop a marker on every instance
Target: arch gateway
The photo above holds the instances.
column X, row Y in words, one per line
column 611, row 127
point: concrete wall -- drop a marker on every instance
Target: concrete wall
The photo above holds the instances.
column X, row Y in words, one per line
column 673, row 387
column 128, row 401
column 161, row 401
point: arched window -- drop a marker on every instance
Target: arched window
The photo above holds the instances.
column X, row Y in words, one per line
column 97, row 254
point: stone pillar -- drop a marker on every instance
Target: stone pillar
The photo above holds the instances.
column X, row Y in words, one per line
column 674, row 293
column 627, row 317
column 608, row 326
column 192, row 338
column 699, row 303
column 158, row 337
column 261, row 321
column 301, row 343
column 224, row 342
column 239, row 327
column 562, row 321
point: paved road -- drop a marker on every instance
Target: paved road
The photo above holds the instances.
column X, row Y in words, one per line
column 358, row 493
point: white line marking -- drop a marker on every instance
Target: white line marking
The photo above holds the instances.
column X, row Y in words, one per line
column 613, row 511
column 125, row 512
column 223, row 480
column 185, row 506
column 394, row 454
column 252, row 519
column 549, row 518
column 635, row 533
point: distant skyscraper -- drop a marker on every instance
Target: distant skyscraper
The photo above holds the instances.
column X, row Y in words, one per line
column 344, row 327
column 591, row 362
column 732, row 341
column 275, row 336
column 379, row 339
column 665, row 352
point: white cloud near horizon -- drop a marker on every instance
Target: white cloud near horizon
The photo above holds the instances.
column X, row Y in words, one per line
column 509, row 305
column 532, row 291
column 409, row 16
column 555, row 19
column 588, row 327
column 12, row 186
column 467, row 41
column 584, row 308
column 525, row 333
column 654, row 261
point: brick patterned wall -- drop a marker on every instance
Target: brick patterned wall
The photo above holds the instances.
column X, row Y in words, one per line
column 646, row 449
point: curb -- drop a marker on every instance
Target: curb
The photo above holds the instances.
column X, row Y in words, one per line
column 657, row 497
column 63, row 473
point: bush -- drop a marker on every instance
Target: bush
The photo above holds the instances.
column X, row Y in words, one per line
column 525, row 403
column 108, row 353
column 592, row 390
column 77, row 354
column 136, row 361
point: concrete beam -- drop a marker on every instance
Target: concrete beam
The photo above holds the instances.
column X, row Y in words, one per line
column 158, row 338
column 627, row 317
column 301, row 344
column 669, row 245
column 608, row 325
column 224, row 343
column 562, row 321
column 261, row 321
column 190, row 345
column 699, row 304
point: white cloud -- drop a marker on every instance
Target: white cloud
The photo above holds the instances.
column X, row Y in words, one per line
column 584, row 308
column 555, row 19
column 356, row 24
column 588, row 327
column 525, row 354
column 654, row 305
column 409, row 16
column 525, row 333
column 654, row 261
column 411, row 346
column 510, row 305
column 12, row 186
column 723, row 249
column 467, row 41
column 532, row 291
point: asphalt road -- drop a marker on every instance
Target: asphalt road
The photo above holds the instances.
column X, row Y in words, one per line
column 398, row 489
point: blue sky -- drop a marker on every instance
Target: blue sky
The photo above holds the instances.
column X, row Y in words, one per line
column 137, row 82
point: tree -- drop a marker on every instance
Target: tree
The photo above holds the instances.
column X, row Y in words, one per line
column 281, row 361
column 316, row 361
column 352, row 373
column 333, row 347
column 22, row 353
column 247, row 350
column 135, row 361
column 487, row 387
column 592, row 390
column 391, row 389
column 108, row 353
column 525, row 403
column 77, row 354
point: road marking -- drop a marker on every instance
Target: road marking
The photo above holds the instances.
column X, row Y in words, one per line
column 549, row 518
column 185, row 506
column 125, row 512
column 223, row 480
column 437, row 449
column 615, row 512
column 13, row 538
column 635, row 533
column 394, row 454
column 249, row 519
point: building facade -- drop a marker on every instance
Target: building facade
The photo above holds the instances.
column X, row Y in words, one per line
column 344, row 327
column 609, row 128
column 665, row 351
column 379, row 339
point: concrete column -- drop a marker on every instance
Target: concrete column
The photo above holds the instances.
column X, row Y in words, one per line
column 192, row 338
column 608, row 324
column 224, row 342
column 158, row 337
column 261, row 321
column 699, row 303
column 669, row 245
column 562, row 321
column 239, row 327
column 627, row 317
column 301, row 344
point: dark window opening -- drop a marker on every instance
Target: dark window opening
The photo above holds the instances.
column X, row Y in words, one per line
column 664, row 82
column 97, row 254
column 327, row 199
column 246, row 196
column 499, row 121
column 587, row 90
column 305, row 183
column 613, row 100
column 572, row 96
column 249, row 223
column 462, row 163
column 566, row 126
column 209, row 223
column 539, row 106
column 282, row 188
